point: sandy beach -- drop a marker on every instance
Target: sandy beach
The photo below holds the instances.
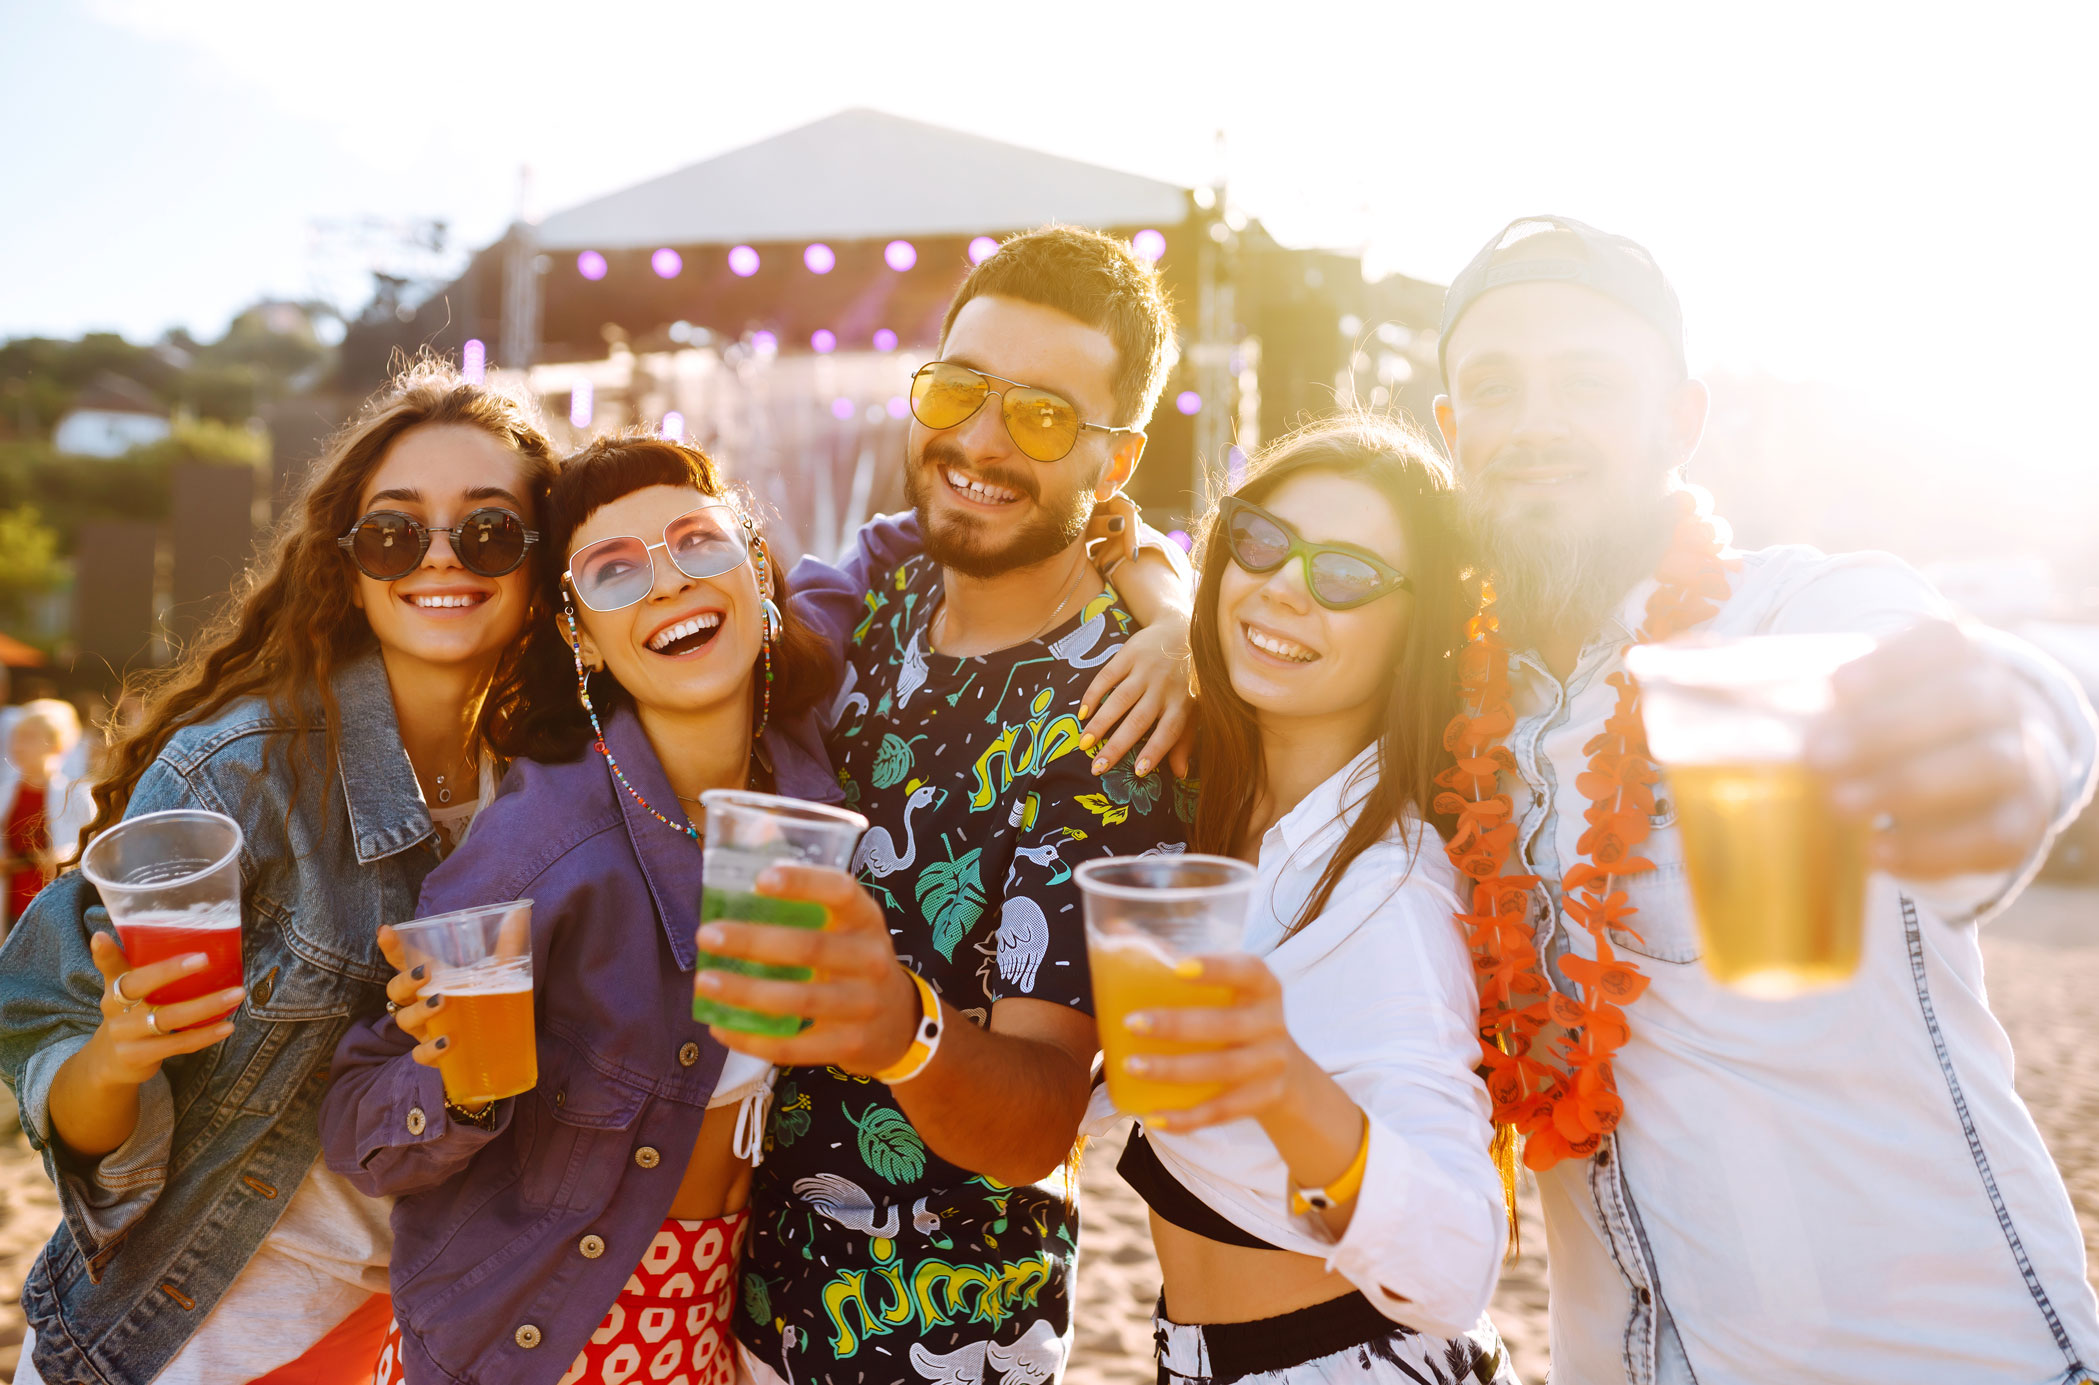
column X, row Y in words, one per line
column 2043, row 967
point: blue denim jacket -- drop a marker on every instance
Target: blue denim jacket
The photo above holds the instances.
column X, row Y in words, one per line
column 156, row 1230
column 511, row 1243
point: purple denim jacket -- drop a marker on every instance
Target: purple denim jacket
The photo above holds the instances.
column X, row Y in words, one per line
column 511, row 1244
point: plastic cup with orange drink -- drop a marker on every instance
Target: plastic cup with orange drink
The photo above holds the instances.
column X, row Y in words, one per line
column 1144, row 916
column 480, row 961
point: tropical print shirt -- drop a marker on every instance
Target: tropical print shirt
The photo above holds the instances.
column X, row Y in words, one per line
column 872, row 1259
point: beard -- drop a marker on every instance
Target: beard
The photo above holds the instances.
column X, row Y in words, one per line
column 966, row 543
column 1561, row 569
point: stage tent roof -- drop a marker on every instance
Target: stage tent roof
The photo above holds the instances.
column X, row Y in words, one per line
column 862, row 175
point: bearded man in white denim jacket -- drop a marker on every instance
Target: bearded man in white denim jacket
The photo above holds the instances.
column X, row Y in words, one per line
column 1838, row 1187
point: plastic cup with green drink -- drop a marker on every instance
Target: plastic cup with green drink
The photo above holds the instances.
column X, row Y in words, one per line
column 746, row 832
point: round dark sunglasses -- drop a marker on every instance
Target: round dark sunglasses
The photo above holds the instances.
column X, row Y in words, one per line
column 1339, row 576
column 387, row 545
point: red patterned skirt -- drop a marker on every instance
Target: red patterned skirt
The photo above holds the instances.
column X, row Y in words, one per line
column 672, row 1325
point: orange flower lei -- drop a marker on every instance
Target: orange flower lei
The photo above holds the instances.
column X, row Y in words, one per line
column 1564, row 1108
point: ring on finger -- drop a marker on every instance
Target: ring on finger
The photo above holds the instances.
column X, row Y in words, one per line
column 117, row 989
column 153, row 1021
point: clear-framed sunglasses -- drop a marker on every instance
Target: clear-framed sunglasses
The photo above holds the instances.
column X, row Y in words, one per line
column 615, row 573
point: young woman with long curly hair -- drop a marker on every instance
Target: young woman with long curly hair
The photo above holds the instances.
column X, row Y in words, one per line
column 341, row 711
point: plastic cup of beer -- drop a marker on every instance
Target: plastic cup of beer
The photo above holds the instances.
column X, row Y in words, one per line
column 1144, row 915
column 172, row 884
column 1777, row 875
column 746, row 832
column 480, row 961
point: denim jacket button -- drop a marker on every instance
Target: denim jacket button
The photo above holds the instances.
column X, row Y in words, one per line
column 688, row 1055
column 527, row 1336
column 647, row 1157
column 591, row 1247
column 417, row 1121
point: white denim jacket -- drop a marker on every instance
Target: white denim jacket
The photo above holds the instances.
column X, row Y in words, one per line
column 1837, row 1188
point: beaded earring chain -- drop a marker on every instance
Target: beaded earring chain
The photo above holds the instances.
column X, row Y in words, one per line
column 575, row 643
column 770, row 621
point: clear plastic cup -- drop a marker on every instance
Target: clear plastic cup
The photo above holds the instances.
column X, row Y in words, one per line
column 172, row 884
column 746, row 832
column 1144, row 914
column 480, row 961
column 1777, row 875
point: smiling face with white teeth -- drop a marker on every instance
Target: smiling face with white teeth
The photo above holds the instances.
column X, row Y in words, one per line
column 440, row 614
column 689, row 645
column 1287, row 655
column 985, row 507
column 1566, row 416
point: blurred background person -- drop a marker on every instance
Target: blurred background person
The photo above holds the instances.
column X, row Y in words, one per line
column 44, row 801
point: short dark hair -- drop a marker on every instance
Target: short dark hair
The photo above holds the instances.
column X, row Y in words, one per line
column 1101, row 282
column 555, row 727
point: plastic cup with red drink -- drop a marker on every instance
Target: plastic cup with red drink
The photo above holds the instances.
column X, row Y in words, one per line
column 172, row 884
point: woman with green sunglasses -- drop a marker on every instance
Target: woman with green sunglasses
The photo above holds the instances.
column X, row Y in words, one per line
column 1327, row 619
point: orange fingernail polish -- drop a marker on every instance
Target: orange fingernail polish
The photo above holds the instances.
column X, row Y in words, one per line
column 1188, row 969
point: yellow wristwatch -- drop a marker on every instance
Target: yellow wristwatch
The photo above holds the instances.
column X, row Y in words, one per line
column 924, row 1043
column 1338, row 1192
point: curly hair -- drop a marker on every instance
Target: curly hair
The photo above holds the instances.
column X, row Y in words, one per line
column 291, row 622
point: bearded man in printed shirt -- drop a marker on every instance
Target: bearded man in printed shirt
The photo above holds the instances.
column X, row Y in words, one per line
column 1833, row 1188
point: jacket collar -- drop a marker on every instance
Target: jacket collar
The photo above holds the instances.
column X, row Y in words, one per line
column 1322, row 817
column 387, row 813
column 670, row 859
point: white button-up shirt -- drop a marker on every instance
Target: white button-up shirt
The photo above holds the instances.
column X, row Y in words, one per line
column 1837, row 1188
column 1378, row 990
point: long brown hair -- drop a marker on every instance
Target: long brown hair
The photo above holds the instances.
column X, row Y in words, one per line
column 1421, row 691
column 291, row 623
column 553, row 725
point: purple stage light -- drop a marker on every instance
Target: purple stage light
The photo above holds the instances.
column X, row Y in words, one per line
column 820, row 258
column 898, row 406
column 667, row 263
column 1188, row 402
column 743, row 261
column 982, row 249
column 473, row 361
column 591, row 265
column 823, row 341
column 674, row 426
column 900, row 255
column 1149, row 245
column 842, row 408
column 764, row 342
column 1234, row 466
column 1180, row 536
column 579, row 402
column 885, row 340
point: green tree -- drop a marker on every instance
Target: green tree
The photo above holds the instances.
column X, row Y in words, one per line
column 29, row 563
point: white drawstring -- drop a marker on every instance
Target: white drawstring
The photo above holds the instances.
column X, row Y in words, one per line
column 751, row 1110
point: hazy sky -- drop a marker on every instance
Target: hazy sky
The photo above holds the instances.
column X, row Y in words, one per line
column 1891, row 198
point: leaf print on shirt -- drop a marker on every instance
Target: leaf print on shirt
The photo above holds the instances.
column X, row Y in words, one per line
column 757, row 1299
column 951, row 896
column 1123, row 785
column 790, row 1115
column 888, row 1144
column 893, row 760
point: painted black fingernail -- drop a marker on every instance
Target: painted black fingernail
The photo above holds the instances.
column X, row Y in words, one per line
column 419, row 973
column 442, row 1043
column 435, row 1002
